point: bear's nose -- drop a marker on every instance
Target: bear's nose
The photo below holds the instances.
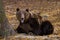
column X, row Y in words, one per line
column 22, row 18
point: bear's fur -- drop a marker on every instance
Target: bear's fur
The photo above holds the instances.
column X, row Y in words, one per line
column 36, row 27
column 46, row 28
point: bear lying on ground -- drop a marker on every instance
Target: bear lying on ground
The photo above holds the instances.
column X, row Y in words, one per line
column 45, row 28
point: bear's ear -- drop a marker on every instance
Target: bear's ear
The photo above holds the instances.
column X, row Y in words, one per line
column 27, row 10
column 17, row 9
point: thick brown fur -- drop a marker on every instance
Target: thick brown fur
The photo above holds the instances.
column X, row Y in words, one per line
column 36, row 25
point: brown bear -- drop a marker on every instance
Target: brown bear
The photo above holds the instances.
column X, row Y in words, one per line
column 29, row 23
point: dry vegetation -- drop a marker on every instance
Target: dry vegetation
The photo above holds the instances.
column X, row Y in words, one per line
column 48, row 8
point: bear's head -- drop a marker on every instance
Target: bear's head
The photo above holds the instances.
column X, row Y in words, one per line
column 22, row 15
